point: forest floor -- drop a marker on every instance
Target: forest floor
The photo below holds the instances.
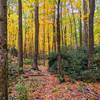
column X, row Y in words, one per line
column 42, row 85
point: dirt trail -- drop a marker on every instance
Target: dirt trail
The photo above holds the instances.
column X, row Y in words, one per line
column 42, row 85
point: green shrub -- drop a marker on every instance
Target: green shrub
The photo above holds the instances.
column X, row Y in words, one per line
column 75, row 62
column 60, row 78
column 52, row 62
column 20, row 70
column 13, row 51
column 12, row 70
column 91, row 75
column 21, row 90
column 12, row 98
column 97, row 49
column 28, row 61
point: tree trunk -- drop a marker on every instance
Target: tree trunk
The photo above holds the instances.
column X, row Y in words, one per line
column 85, row 24
column 71, row 31
column 48, row 36
column 35, row 65
column 54, row 30
column 44, row 37
column 58, row 42
column 3, row 51
column 80, row 29
column 20, row 36
column 75, row 29
column 25, row 51
column 65, row 36
column 61, row 26
column 91, row 33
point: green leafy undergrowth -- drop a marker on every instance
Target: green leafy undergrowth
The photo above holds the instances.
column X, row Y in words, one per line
column 75, row 62
column 21, row 90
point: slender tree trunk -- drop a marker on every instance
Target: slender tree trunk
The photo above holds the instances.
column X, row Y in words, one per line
column 75, row 30
column 44, row 37
column 71, row 30
column 25, row 52
column 91, row 33
column 48, row 36
column 54, row 31
column 58, row 42
column 3, row 51
column 80, row 29
column 65, row 36
column 61, row 26
column 85, row 24
column 33, row 47
column 35, row 65
column 20, row 36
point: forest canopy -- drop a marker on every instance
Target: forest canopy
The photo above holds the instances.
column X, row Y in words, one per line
column 46, row 20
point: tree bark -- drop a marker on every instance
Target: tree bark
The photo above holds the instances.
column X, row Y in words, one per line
column 91, row 32
column 26, row 28
column 60, row 70
column 3, row 51
column 20, row 36
column 75, row 30
column 71, row 31
column 80, row 29
column 85, row 24
column 44, row 37
column 61, row 26
column 65, row 36
column 35, row 65
column 48, row 36
column 54, row 30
